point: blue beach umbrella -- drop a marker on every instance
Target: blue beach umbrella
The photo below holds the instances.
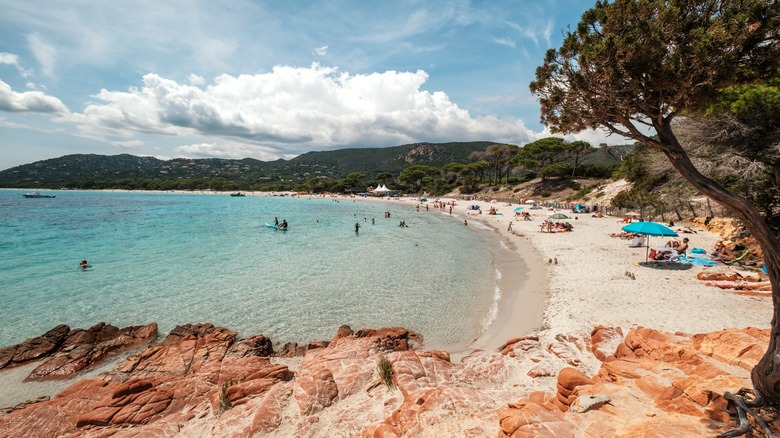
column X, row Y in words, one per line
column 518, row 208
column 649, row 229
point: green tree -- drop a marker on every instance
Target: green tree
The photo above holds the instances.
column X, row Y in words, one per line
column 384, row 176
column 578, row 152
column 539, row 154
column 414, row 175
column 453, row 172
column 354, row 179
column 634, row 65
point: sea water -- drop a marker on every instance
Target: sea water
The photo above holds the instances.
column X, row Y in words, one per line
column 178, row 258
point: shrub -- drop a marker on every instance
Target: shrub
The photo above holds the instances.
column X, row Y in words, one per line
column 386, row 371
column 224, row 401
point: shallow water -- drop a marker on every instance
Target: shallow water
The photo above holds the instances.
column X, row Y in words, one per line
column 176, row 258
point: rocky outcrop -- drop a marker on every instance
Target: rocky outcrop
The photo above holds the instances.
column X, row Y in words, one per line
column 68, row 352
column 35, row 348
column 82, row 349
column 655, row 384
column 201, row 381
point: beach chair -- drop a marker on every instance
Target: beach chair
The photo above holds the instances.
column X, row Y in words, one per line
column 637, row 242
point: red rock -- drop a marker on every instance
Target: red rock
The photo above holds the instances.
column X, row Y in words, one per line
column 342, row 332
column 743, row 348
column 83, row 349
column 529, row 419
column 571, row 378
column 315, row 392
column 524, row 343
column 34, row 348
column 291, row 349
column 268, row 413
column 255, row 346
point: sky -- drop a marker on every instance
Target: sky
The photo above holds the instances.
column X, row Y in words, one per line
column 270, row 79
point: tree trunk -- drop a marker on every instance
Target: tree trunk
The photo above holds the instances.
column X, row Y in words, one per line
column 766, row 374
column 692, row 209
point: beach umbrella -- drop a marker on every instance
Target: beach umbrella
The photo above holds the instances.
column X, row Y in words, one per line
column 530, row 201
column 559, row 216
column 518, row 208
column 649, row 229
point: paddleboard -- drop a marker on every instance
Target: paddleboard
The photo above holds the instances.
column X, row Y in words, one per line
column 275, row 227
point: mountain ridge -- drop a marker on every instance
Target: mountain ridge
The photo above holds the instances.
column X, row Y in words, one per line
column 86, row 170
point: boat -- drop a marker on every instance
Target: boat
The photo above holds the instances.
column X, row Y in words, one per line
column 275, row 227
column 237, row 194
column 37, row 195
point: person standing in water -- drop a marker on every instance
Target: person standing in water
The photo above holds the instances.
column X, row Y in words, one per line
column 357, row 227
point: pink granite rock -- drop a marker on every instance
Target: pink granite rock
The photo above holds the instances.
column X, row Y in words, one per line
column 34, row 348
column 83, row 349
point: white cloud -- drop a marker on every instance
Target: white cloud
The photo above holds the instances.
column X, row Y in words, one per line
column 321, row 51
column 44, row 53
column 12, row 59
column 130, row 144
column 292, row 110
column 227, row 150
column 9, row 58
column 505, row 42
column 593, row 136
column 196, row 80
column 29, row 101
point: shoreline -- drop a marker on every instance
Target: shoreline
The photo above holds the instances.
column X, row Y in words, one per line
column 514, row 310
column 589, row 283
column 517, row 315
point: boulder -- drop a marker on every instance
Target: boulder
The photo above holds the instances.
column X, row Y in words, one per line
column 83, row 349
column 34, row 348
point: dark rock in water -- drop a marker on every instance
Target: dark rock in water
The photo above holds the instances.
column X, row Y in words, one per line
column 291, row 349
column 82, row 349
column 34, row 348
column 255, row 346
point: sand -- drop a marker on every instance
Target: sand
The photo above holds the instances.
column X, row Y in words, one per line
column 581, row 279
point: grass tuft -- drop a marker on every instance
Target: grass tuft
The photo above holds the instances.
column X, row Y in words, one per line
column 386, row 371
column 224, row 401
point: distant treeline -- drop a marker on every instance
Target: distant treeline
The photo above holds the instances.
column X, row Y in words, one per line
column 432, row 168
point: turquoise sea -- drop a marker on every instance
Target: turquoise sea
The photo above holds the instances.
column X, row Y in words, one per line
column 176, row 258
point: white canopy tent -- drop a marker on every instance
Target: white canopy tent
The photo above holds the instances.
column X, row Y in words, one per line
column 381, row 189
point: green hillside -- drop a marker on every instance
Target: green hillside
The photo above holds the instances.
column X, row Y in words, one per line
column 128, row 171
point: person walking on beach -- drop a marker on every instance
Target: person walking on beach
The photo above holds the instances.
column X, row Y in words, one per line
column 510, row 226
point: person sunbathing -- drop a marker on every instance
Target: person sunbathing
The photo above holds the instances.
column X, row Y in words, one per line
column 677, row 251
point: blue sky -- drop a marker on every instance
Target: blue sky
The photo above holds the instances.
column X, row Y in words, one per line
column 269, row 79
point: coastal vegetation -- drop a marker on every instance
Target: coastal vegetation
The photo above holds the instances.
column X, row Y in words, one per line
column 426, row 167
column 648, row 70
column 386, row 371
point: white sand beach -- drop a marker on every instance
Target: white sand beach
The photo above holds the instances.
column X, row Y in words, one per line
column 591, row 279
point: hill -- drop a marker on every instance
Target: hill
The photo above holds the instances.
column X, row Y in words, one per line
column 101, row 171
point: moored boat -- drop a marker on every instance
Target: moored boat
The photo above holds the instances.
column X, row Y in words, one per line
column 37, row 195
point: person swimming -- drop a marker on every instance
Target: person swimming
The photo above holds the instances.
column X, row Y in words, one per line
column 84, row 265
